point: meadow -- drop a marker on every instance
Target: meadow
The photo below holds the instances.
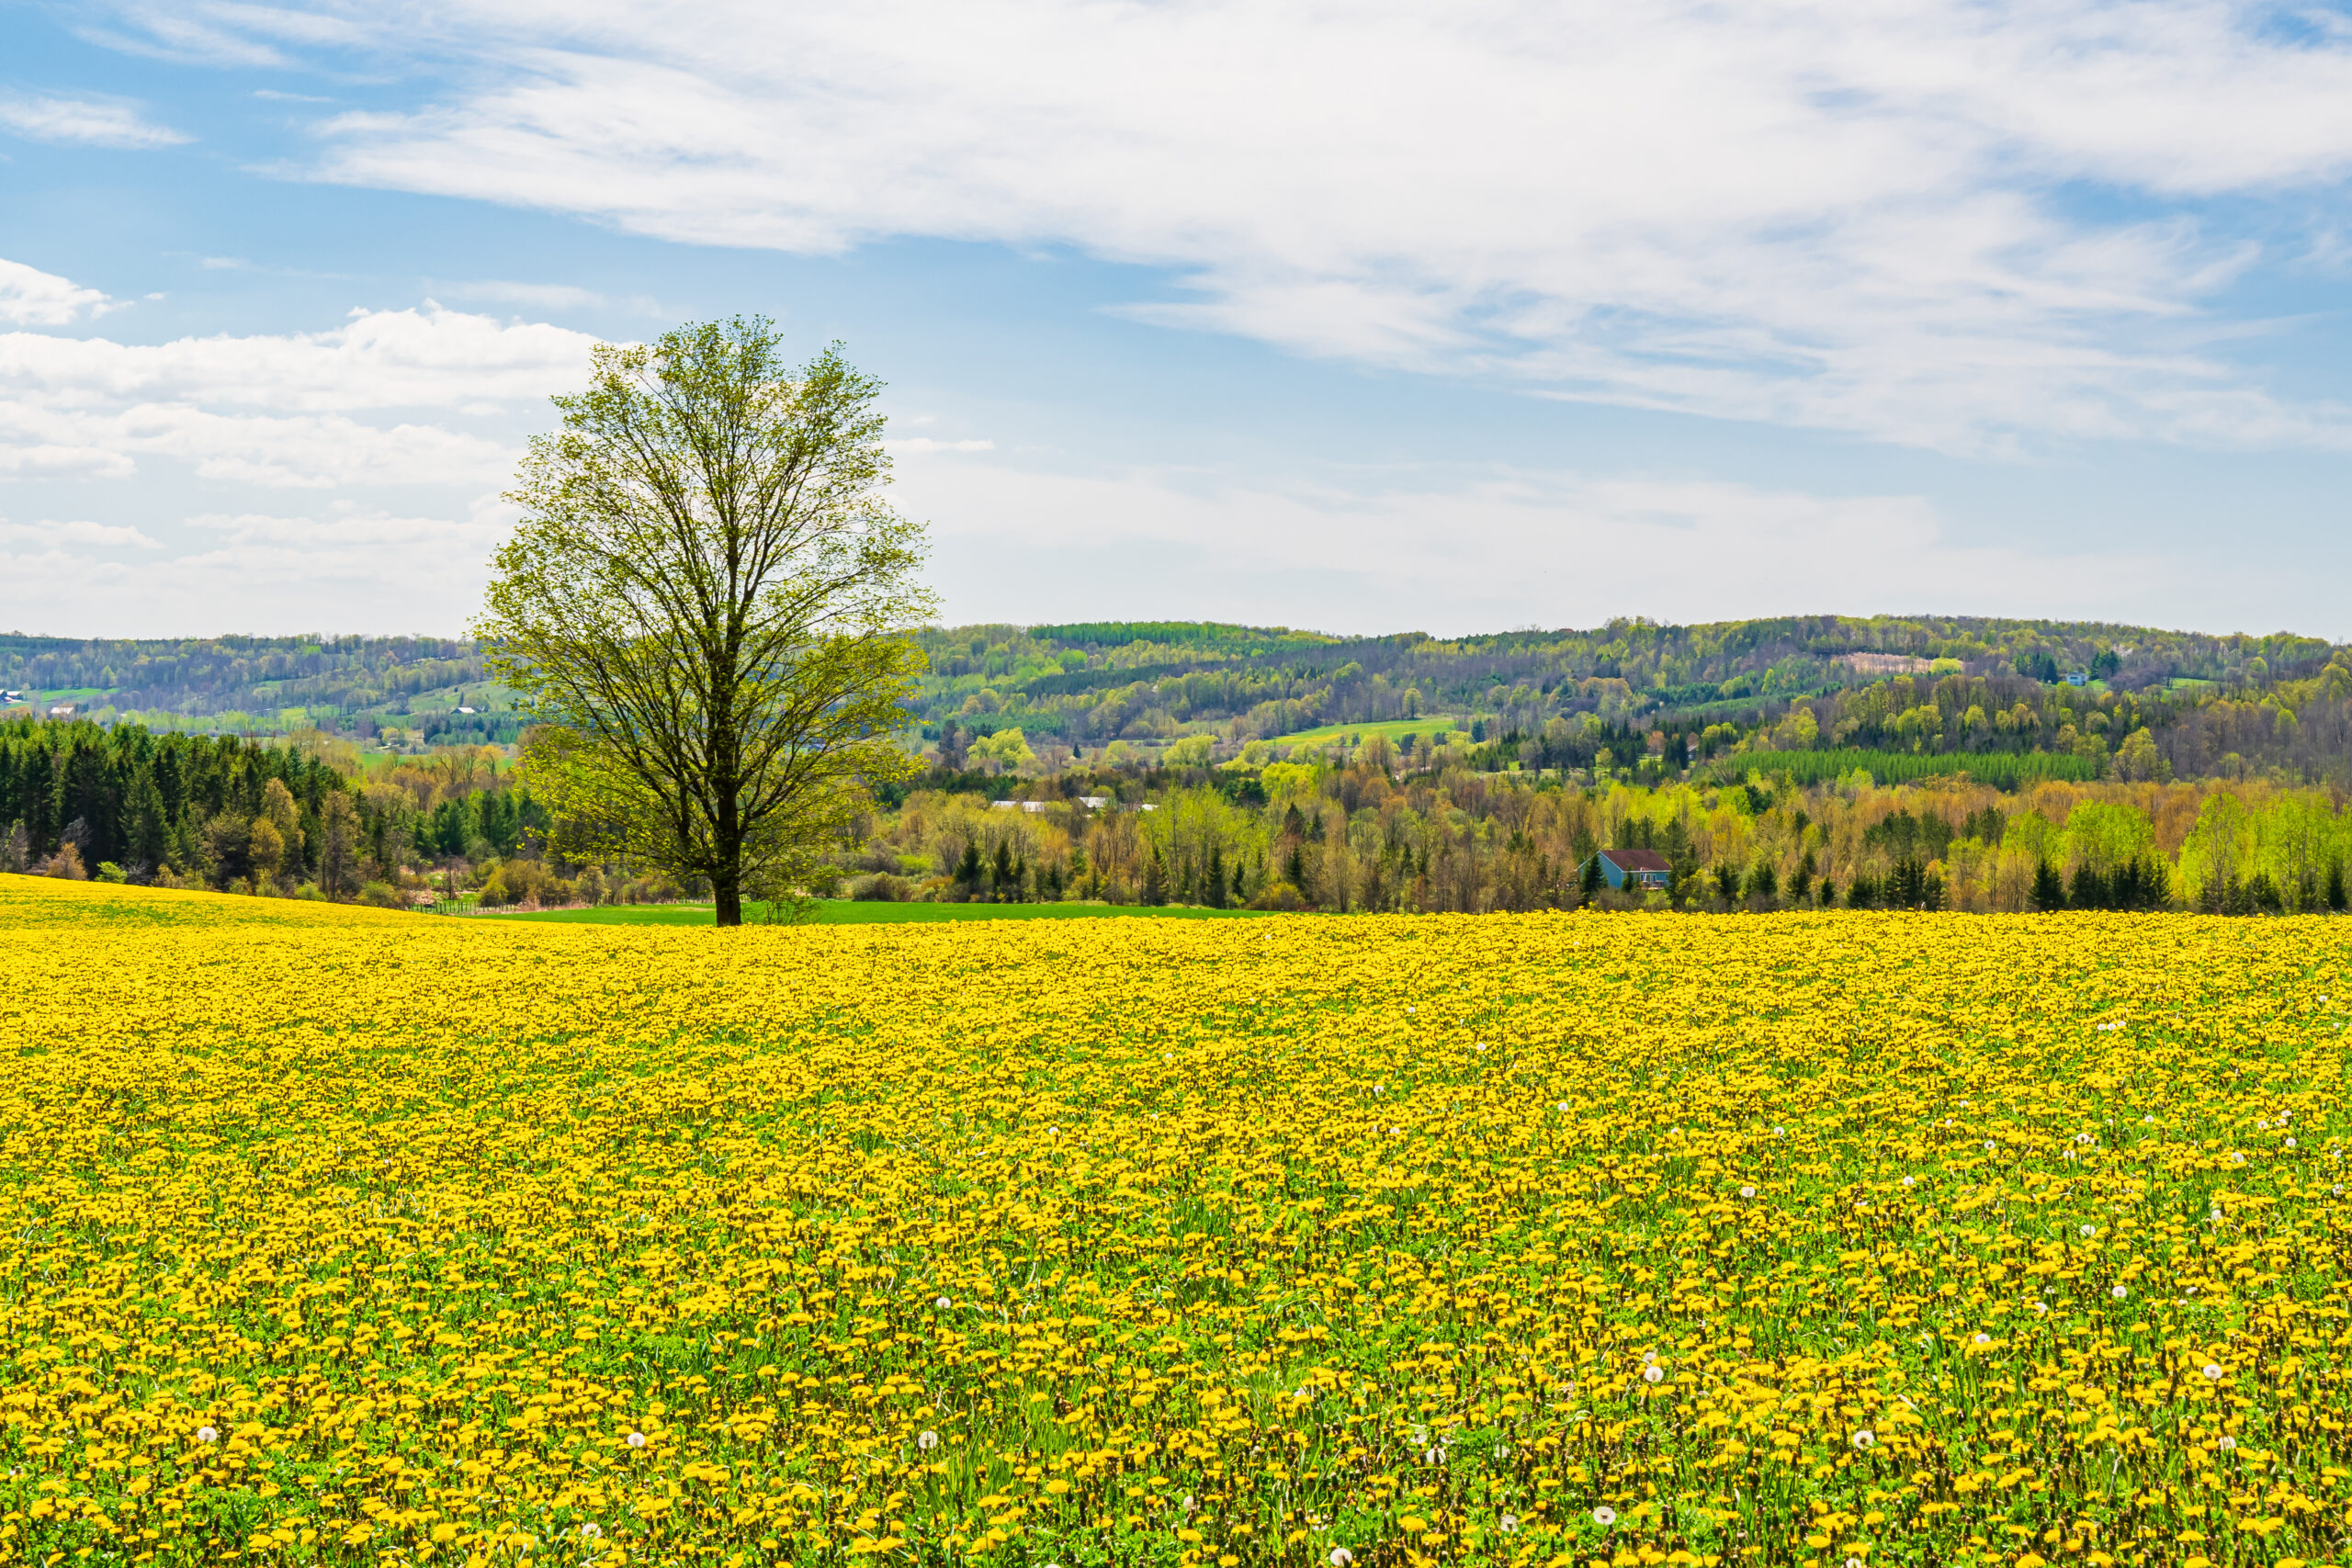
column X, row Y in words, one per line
column 337, row 1235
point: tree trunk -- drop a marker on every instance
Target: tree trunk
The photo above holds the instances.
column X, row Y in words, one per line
column 730, row 898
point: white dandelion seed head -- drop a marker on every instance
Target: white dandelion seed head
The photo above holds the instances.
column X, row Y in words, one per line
column 636, row 1439
column 1509, row 1524
column 1747, row 1191
column 942, row 1304
column 2119, row 1293
column 207, row 1435
column 2290, row 1142
column 1341, row 1557
column 1853, row 1563
column 1908, row 1181
column 1604, row 1516
column 1864, row 1438
column 2213, row 1372
column 1502, row 1451
column 1649, row 1358
column 1990, row 1146
column 2229, row 1444
column 1982, row 1338
column 1653, row 1374
column 1187, row 1504
column 1435, row 1455
column 2089, row 1231
column 928, row 1441
column 590, row 1531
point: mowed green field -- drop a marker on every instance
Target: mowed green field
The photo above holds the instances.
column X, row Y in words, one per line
column 1394, row 728
column 843, row 912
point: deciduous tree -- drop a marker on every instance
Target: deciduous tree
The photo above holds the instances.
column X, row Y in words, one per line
column 705, row 606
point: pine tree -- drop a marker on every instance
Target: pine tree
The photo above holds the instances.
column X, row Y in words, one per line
column 2049, row 892
column 2335, row 898
column 1154, row 880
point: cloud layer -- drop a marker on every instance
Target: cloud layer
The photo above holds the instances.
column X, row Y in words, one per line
column 91, row 121
column 340, row 429
column 1950, row 223
column 278, row 410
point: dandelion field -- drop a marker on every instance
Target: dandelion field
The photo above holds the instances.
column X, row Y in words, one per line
column 342, row 1236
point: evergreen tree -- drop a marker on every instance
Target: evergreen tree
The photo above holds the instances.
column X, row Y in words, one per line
column 2335, row 896
column 1213, row 883
column 1154, row 880
column 2049, row 892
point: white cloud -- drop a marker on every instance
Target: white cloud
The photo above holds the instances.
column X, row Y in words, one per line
column 427, row 357
column 265, row 572
column 30, row 297
column 104, row 536
column 547, row 296
column 920, row 445
column 1855, row 215
column 1449, row 552
column 92, row 122
column 282, row 410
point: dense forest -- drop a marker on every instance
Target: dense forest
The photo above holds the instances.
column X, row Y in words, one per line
column 1885, row 683
column 1962, row 763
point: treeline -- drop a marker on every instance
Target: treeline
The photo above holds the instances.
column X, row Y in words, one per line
column 235, row 815
column 1367, row 830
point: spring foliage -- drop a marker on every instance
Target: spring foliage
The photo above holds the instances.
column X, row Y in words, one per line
column 705, row 601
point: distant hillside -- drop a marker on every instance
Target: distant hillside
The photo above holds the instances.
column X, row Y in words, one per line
column 413, row 686
column 1917, row 686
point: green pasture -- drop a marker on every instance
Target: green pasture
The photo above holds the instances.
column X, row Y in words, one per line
column 845, row 912
column 1394, row 728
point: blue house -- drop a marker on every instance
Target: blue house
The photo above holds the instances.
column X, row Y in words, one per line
column 1640, row 869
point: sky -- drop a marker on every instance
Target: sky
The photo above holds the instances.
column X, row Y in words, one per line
column 1359, row 317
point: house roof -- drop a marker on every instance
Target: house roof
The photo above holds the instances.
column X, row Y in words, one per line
column 1638, row 860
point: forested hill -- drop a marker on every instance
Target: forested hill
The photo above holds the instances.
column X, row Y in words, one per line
column 413, row 686
column 1913, row 685
column 1884, row 684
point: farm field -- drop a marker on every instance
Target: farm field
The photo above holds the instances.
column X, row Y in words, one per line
column 335, row 1236
column 847, row 912
column 1394, row 728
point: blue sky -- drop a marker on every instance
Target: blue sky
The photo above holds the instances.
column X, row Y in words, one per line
column 1363, row 317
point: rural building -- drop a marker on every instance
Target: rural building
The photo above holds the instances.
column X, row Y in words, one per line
column 63, row 710
column 1643, row 869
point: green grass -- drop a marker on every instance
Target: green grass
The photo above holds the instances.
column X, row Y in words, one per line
column 1394, row 728
column 843, row 912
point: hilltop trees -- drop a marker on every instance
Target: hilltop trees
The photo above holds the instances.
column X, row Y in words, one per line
column 707, row 601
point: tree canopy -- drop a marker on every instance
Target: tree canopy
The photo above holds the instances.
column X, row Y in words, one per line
column 706, row 603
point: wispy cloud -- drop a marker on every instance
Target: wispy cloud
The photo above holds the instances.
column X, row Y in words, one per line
column 55, row 535
column 1860, row 216
column 545, row 296
column 91, row 121
column 1459, row 551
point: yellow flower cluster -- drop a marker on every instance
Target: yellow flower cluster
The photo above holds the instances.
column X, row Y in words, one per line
column 329, row 1235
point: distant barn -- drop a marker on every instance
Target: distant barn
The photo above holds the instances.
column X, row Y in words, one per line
column 1643, row 869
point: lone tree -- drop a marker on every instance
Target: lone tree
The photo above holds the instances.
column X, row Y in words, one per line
column 706, row 607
